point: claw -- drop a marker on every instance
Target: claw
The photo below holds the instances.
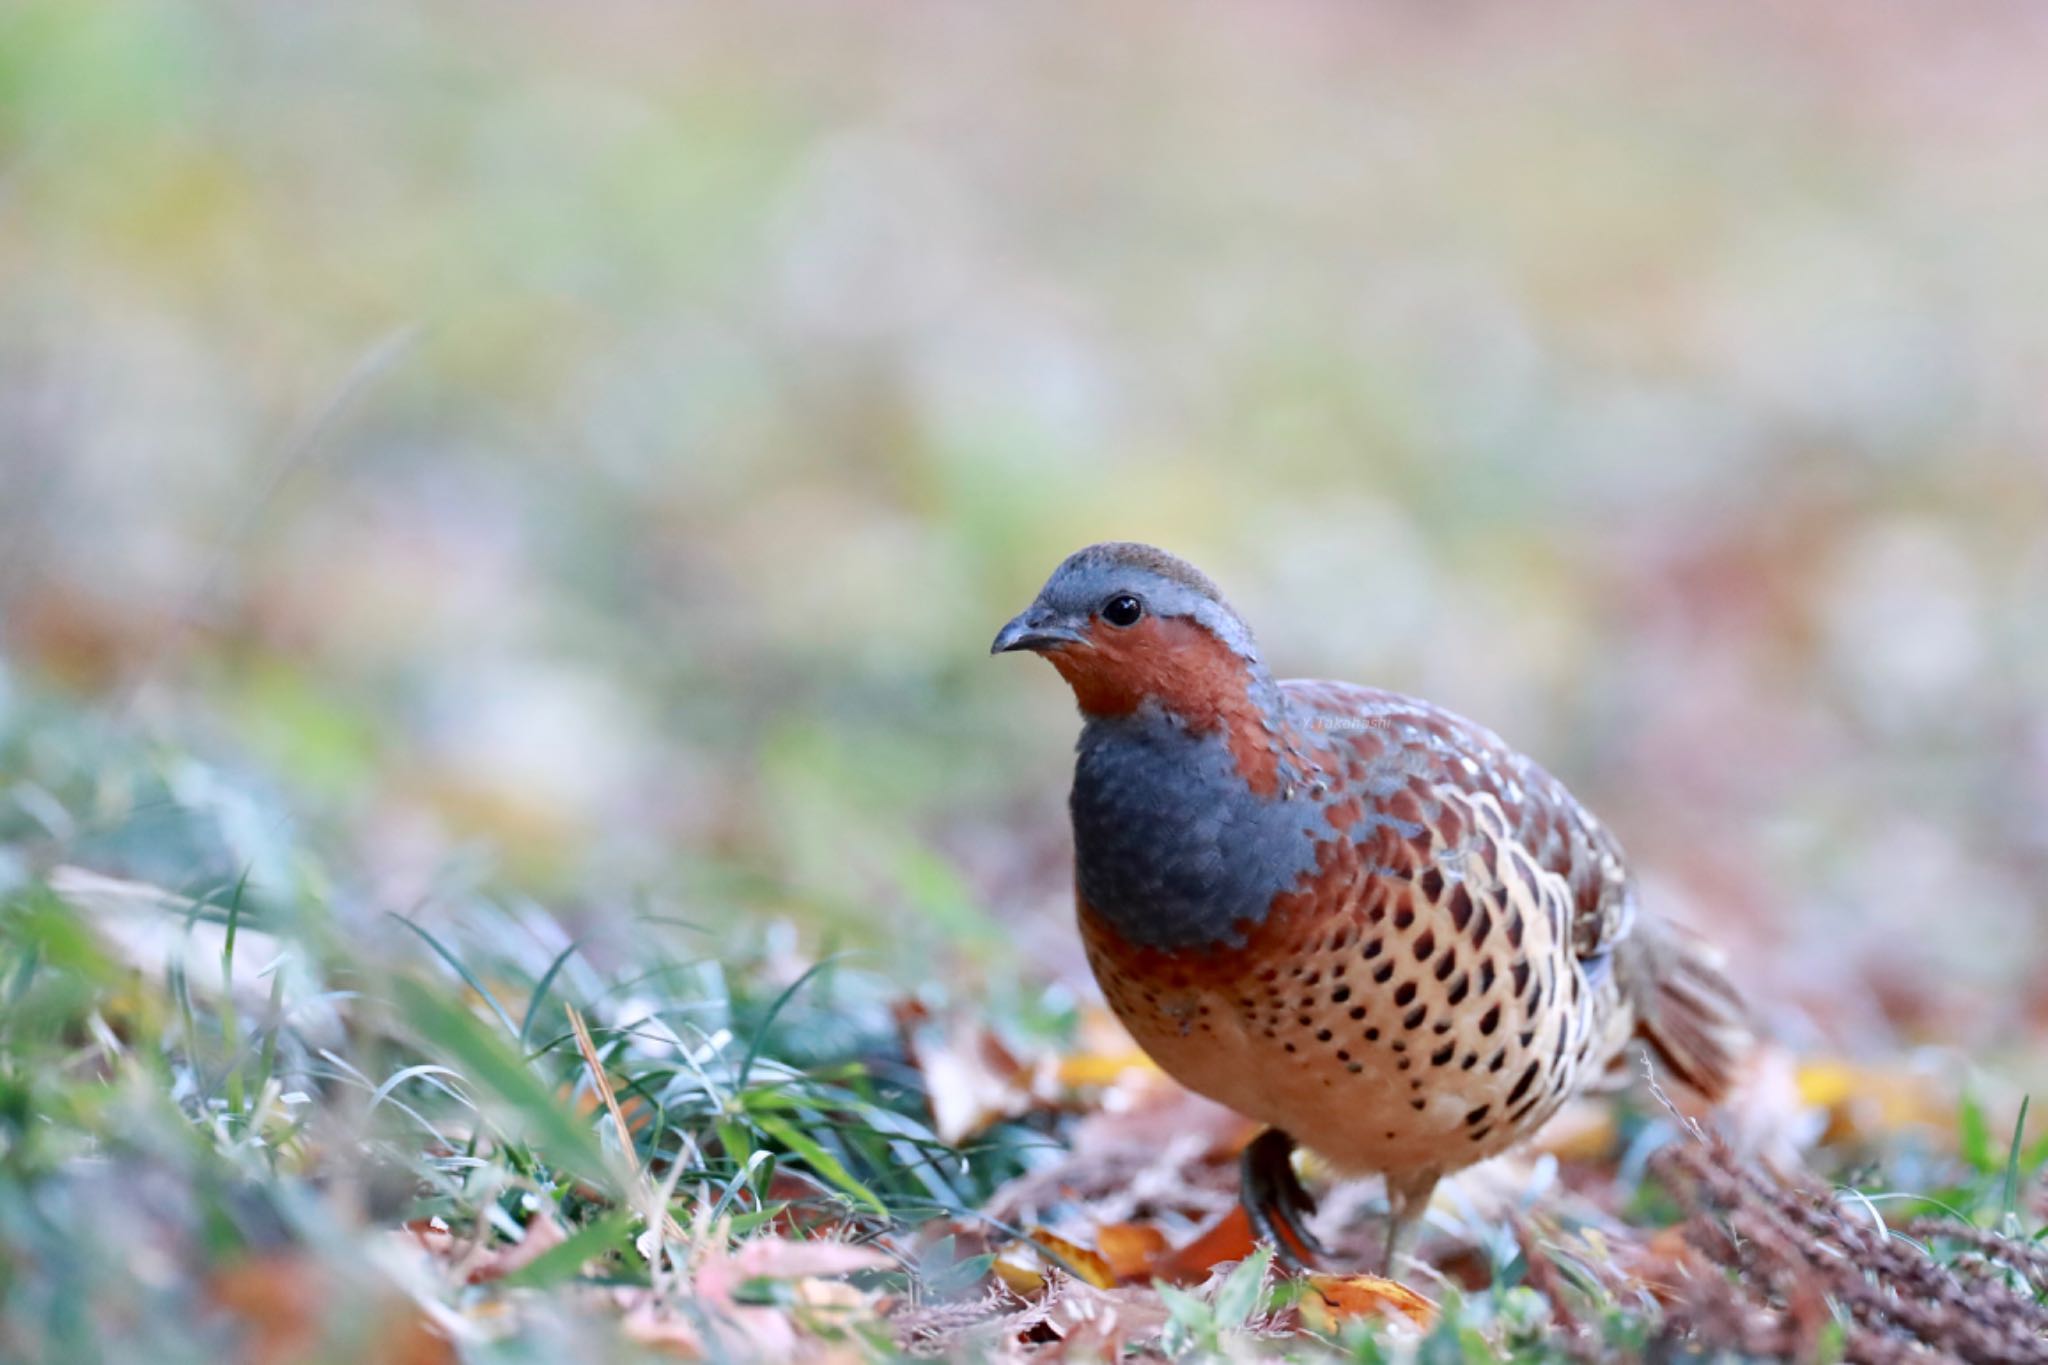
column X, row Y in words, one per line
column 1276, row 1203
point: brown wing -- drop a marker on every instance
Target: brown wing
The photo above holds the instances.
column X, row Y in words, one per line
column 1682, row 1004
column 1394, row 740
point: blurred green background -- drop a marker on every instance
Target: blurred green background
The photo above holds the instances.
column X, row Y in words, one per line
column 588, row 449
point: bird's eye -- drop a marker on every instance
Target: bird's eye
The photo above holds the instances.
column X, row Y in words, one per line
column 1122, row 610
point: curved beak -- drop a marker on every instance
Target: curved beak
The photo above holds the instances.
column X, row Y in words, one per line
column 1036, row 630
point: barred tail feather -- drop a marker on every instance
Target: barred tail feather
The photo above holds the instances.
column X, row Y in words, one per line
column 1686, row 1009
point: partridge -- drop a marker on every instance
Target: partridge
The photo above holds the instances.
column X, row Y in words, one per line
column 1349, row 915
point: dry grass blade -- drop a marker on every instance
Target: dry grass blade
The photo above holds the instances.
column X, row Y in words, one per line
column 643, row 1187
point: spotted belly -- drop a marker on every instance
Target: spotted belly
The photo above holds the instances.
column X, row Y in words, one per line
column 1393, row 1025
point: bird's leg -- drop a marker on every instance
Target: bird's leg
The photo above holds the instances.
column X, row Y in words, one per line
column 1407, row 1200
column 1276, row 1203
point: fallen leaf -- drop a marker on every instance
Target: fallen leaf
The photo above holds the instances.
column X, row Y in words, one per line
column 1102, row 1068
column 1337, row 1299
column 543, row 1234
column 1023, row 1265
column 720, row 1274
column 1100, row 1324
column 716, row 1324
column 778, row 1258
column 1083, row 1263
column 1021, row 1270
column 1131, row 1249
column 1581, row 1131
column 1105, row 1055
column 1165, row 1150
column 1229, row 1238
column 1865, row 1102
column 288, row 1306
column 972, row 1079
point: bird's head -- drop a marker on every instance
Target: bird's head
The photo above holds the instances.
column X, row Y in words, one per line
column 1126, row 624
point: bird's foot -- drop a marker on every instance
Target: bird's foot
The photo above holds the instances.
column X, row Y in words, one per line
column 1276, row 1203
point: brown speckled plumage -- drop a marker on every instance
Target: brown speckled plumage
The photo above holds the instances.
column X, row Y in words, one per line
column 1423, row 992
column 1450, row 948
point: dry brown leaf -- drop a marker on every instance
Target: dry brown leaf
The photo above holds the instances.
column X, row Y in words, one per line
column 972, row 1079
column 1024, row 1266
column 717, row 1325
column 1083, row 1263
column 288, row 1302
column 647, row 1319
column 1228, row 1239
column 718, row 1277
column 484, row 1264
column 1165, row 1150
column 1098, row 1324
column 1131, row 1249
column 1341, row 1298
column 779, row 1258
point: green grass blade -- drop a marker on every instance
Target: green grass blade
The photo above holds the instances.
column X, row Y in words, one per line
column 2009, row 1200
column 563, row 1261
column 266, row 1064
column 489, row 1063
column 828, row 1166
column 230, row 1027
column 463, row 971
column 781, row 1001
column 540, row 993
column 1973, row 1136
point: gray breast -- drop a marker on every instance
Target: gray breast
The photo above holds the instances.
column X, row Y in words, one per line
column 1171, row 847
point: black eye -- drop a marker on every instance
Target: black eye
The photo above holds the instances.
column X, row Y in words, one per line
column 1122, row 610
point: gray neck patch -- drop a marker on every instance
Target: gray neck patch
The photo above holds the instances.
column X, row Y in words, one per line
column 1171, row 847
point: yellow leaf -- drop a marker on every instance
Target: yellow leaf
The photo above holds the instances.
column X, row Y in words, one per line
column 1826, row 1084
column 1336, row 1299
column 1863, row 1101
column 1104, row 1053
column 1101, row 1068
column 1580, row 1132
column 1022, row 1265
column 1080, row 1261
column 1020, row 1270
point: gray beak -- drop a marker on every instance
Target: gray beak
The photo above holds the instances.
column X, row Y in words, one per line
column 1037, row 630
